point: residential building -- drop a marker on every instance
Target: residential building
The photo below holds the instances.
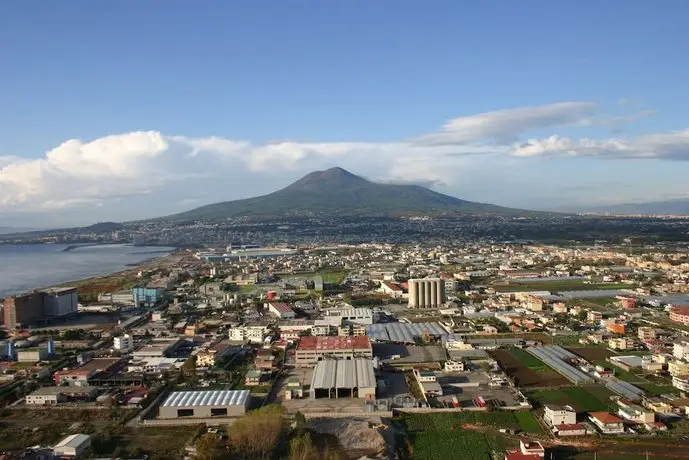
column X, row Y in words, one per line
column 426, row 293
column 647, row 333
column 124, row 343
column 681, row 383
column 616, row 326
column 253, row 377
column 73, row 377
column 253, row 334
column 576, row 429
column 631, row 411
column 528, row 450
column 678, row 368
column 681, row 350
column 621, row 343
column 680, row 315
column 290, row 334
column 454, row 366
column 593, row 316
column 559, row 415
column 23, row 310
column 607, row 423
column 313, row 349
column 394, row 290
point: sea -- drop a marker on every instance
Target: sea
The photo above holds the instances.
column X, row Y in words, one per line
column 31, row 266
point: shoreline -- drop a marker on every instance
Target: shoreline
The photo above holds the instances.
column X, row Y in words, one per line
column 129, row 270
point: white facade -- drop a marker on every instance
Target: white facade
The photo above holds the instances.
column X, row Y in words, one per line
column 42, row 400
column 124, row 343
column 454, row 366
column 681, row 350
column 554, row 415
column 426, row 293
column 72, row 446
column 349, row 316
column 254, row 334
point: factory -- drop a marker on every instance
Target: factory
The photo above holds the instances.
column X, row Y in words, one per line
column 205, row 404
column 313, row 349
column 426, row 293
column 73, row 446
column 349, row 316
column 344, row 379
column 281, row 310
column 39, row 307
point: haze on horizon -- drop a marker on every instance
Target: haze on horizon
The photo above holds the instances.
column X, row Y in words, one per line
column 132, row 110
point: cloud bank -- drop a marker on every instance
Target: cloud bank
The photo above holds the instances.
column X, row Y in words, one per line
column 86, row 173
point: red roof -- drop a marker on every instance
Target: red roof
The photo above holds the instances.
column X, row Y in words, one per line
column 392, row 286
column 520, row 456
column 334, row 343
column 570, row 427
column 684, row 311
column 281, row 307
column 605, row 417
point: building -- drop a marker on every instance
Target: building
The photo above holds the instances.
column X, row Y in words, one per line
column 52, row 396
column 73, row 377
column 23, row 310
column 60, row 301
column 647, row 333
column 313, row 349
column 281, row 310
column 681, row 383
column 124, row 343
column 205, row 404
column 72, row 446
column 32, row 355
column 621, row 343
column 352, row 329
column 454, row 366
column 528, row 450
column 558, row 415
column 344, row 379
column 616, row 326
column 253, row 377
column 607, row 423
column 253, row 334
column 576, row 429
column 349, row 316
column 426, row 293
column 681, row 350
column 677, row 314
column 678, row 368
column 394, row 290
column 159, row 348
column 630, row 411
column 147, row 296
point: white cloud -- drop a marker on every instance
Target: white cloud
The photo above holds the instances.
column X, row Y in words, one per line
column 505, row 126
column 667, row 146
column 80, row 174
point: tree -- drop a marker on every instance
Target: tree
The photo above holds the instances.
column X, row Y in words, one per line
column 302, row 448
column 209, row 447
column 257, row 434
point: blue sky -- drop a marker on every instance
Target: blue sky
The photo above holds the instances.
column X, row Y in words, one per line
column 234, row 99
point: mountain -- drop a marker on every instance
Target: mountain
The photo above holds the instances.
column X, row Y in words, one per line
column 663, row 208
column 339, row 192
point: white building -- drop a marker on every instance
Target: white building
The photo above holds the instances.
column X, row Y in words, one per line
column 124, row 343
column 281, row 310
column 349, row 316
column 681, row 350
column 454, row 366
column 556, row 415
column 72, row 446
column 253, row 334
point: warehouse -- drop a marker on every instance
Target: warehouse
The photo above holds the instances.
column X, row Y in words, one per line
column 314, row 349
column 205, row 404
column 281, row 310
column 72, row 446
column 51, row 396
column 344, row 379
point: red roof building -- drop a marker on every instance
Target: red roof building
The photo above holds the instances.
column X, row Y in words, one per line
column 313, row 349
column 680, row 315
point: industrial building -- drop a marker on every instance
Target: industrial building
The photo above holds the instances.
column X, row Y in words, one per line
column 406, row 332
column 281, row 310
column 72, row 446
column 344, row 379
column 313, row 349
column 147, row 296
column 205, row 404
column 159, row 348
column 60, row 301
column 55, row 395
column 426, row 293
column 349, row 316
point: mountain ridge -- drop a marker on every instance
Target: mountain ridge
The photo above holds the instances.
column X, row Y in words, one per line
column 336, row 191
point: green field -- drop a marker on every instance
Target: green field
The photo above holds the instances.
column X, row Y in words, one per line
column 583, row 399
column 442, row 436
column 529, row 360
column 621, row 373
column 658, row 390
column 528, row 422
column 329, row 276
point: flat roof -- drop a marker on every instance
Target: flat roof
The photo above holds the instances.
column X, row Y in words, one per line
column 99, row 364
column 59, row 290
column 44, row 391
column 357, row 342
column 403, row 332
column 207, row 398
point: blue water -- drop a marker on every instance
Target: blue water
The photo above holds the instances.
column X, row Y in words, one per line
column 26, row 267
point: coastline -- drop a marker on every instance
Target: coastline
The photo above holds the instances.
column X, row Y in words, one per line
column 115, row 280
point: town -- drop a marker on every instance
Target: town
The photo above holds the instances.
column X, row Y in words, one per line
column 515, row 351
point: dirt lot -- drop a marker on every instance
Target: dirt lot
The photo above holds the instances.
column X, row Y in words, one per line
column 592, row 354
column 524, row 376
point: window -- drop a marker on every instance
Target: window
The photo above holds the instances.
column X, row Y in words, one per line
column 185, row 412
column 218, row 412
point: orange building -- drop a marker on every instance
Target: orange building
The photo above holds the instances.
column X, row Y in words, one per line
column 616, row 327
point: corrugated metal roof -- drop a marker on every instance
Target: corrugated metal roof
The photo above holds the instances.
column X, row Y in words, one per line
column 331, row 373
column 207, row 398
column 73, row 440
column 403, row 332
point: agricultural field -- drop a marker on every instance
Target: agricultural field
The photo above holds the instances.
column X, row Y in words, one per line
column 443, row 436
column 657, row 390
column 621, row 373
column 527, row 370
column 592, row 354
column 582, row 398
column 449, row 421
column 558, row 286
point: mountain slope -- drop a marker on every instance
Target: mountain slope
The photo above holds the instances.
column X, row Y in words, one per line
column 665, row 208
column 339, row 192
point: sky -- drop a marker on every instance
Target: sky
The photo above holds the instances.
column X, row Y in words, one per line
column 126, row 110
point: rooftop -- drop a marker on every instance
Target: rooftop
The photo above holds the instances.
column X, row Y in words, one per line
column 281, row 307
column 605, row 417
column 357, row 373
column 73, row 440
column 334, row 343
column 206, row 398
